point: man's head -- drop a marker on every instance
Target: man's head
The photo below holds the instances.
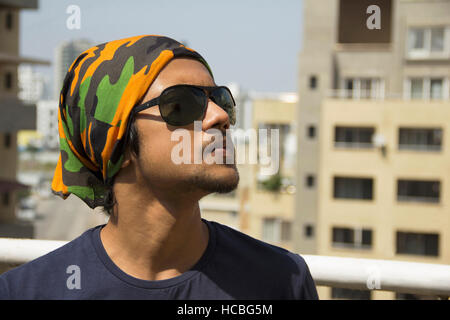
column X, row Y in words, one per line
column 149, row 156
column 100, row 140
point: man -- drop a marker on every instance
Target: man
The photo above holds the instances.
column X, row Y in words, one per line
column 155, row 244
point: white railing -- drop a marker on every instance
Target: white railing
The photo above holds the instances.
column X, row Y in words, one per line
column 374, row 94
column 352, row 273
column 364, row 274
column 18, row 251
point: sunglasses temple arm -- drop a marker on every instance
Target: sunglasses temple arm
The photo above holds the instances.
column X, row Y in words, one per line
column 146, row 105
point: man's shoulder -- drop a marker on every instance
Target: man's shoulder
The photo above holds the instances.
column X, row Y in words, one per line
column 269, row 269
column 247, row 247
column 45, row 269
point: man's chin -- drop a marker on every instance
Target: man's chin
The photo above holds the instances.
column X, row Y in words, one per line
column 223, row 178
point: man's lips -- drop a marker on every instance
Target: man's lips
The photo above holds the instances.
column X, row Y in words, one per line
column 224, row 149
column 224, row 145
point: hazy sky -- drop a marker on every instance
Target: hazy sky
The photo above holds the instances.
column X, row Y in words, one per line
column 252, row 42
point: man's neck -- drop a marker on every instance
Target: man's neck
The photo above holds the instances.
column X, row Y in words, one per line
column 155, row 240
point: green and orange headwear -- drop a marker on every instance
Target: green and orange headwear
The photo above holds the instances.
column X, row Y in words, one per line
column 99, row 91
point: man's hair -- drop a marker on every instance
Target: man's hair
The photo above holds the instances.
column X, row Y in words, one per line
column 133, row 147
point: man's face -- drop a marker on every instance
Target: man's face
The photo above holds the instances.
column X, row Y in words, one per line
column 155, row 166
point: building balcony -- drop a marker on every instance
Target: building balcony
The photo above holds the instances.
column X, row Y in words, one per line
column 361, row 94
column 338, row 272
column 9, row 59
column 378, row 93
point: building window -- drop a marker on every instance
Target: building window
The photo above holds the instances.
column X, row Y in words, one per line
column 423, row 244
column 8, row 80
column 350, row 294
column 352, row 27
column 410, row 296
column 437, row 39
column 353, row 137
column 427, row 88
column 427, row 42
column 9, row 21
column 353, row 188
column 418, row 190
column 416, row 88
column 276, row 230
column 286, row 229
column 362, row 88
column 310, row 181
column 420, row 139
column 5, row 198
column 352, row 238
column 311, row 131
column 416, row 39
column 270, row 232
column 7, row 140
column 436, row 89
column 309, row 231
column 313, row 82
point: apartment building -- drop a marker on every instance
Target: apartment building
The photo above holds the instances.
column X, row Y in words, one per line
column 272, row 189
column 33, row 85
column 15, row 116
column 374, row 135
column 47, row 123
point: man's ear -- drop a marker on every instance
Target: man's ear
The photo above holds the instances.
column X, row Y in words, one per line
column 127, row 159
column 125, row 163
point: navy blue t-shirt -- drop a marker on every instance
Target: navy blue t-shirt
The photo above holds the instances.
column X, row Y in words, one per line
column 233, row 266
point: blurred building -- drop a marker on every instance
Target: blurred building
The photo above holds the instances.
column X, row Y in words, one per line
column 33, row 86
column 373, row 133
column 47, row 123
column 29, row 138
column 243, row 110
column 271, row 193
column 65, row 55
column 46, row 135
column 15, row 115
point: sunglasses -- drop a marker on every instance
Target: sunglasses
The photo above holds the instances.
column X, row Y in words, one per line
column 183, row 104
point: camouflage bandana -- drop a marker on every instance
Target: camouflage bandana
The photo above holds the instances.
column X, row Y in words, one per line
column 99, row 91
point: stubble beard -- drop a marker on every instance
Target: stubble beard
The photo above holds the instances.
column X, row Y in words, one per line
column 206, row 181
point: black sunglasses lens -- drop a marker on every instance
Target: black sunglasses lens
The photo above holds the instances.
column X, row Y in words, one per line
column 223, row 98
column 180, row 106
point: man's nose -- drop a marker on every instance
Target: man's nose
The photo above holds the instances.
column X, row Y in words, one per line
column 215, row 117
